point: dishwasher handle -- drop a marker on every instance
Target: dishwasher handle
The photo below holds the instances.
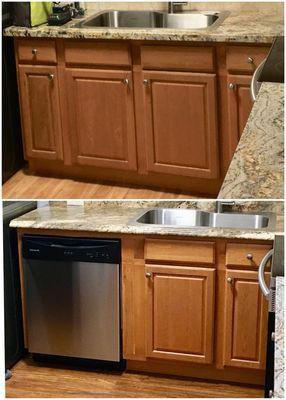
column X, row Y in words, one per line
column 254, row 81
column 264, row 288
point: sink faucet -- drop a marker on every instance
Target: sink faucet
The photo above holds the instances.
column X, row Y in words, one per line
column 173, row 4
column 221, row 204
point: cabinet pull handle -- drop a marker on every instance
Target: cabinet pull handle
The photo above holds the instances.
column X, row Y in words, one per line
column 250, row 60
column 148, row 275
column 146, row 82
column 229, row 280
column 249, row 256
column 51, row 77
column 126, row 81
column 232, row 86
column 34, row 51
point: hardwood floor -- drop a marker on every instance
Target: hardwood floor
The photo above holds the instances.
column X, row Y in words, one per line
column 33, row 380
column 25, row 186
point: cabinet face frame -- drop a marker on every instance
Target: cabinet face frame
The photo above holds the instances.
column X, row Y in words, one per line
column 49, row 73
column 208, row 81
column 231, row 293
column 117, row 77
column 208, row 276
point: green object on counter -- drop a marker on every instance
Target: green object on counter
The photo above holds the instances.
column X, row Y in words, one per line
column 31, row 13
column 40, row 12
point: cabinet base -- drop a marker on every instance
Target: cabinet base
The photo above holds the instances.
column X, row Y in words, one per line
column 194, row 186
column 208, row 372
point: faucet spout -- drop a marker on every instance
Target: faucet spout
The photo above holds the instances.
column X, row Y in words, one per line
column 173, row 4
column 221, row 204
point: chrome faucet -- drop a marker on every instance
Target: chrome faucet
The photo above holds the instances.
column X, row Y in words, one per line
column 221, row 204
column 173, row 4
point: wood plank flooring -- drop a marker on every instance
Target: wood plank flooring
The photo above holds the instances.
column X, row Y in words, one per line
column 24, row 186
column 33, row 380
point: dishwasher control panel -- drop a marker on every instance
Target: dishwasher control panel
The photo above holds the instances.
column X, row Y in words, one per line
column 71, row 249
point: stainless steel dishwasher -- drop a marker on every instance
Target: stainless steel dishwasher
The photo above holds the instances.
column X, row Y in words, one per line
column 73, row 297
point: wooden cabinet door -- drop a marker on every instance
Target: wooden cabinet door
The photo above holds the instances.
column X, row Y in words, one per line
column 239, row 107
column 181, row 123
column 41, row 123
column 180, row 313
column 101, row 117
column 245, row 321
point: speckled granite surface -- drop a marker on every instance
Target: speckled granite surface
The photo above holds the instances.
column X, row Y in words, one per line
column 257, row 168
column 120, row 220
column 279, row 363
column 245, row 27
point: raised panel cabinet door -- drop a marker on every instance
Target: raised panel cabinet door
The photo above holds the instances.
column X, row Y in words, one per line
column 181, row 123
column 40, row 108
column 239, row 107
column 245, row 320
column 180, row 313
column 101, row 116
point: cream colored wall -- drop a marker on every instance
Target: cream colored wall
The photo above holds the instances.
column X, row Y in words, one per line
column 231, row 6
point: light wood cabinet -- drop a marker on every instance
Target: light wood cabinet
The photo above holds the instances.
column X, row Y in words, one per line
column 164, row 114
column 181, row 123
column 245, row 321
column 239, row 107
column 180, row 313
column 101, row 118
column 40, row 108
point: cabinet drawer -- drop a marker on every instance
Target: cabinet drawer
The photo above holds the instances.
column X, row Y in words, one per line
column 37, row 51
column 183, row 251
column 245, row 255
column 93, row 53
column 177, row 58
column 245, row 58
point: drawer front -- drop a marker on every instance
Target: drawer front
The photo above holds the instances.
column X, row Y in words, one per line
column 177, row 58
column 181, row 251
column 245, row 255
column 93, row 53
column 245, row 58
column 37, row 51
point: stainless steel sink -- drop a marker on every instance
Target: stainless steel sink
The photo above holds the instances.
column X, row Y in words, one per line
column 178, row 217
column 196, row 218
column 153, row 19
column 243, row 221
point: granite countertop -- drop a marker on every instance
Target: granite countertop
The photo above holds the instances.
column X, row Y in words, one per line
column 257, row 168
column 245, row 27
column 120, row 220
column 279, row 360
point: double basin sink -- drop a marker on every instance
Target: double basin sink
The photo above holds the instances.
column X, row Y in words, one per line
column 190, row 218
column 153, row 19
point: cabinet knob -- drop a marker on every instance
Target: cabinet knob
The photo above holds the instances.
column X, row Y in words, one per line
column 51, row 77
column 250, row 60
column 148, row 275
column 232, row 86
column 126, row 81
column 34, row 51
column 229, row 280
column 249, row 256
column 146, row 82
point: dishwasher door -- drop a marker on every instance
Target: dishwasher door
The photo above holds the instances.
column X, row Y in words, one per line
column 73, row 308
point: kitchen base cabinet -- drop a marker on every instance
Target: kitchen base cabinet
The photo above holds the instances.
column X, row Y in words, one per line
column 239, row 107
column 193, row 322
column 245, row 321
column 101, row 118
column 180, row 313
column 130, row 112
column 41, row 121
column 181, row 123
